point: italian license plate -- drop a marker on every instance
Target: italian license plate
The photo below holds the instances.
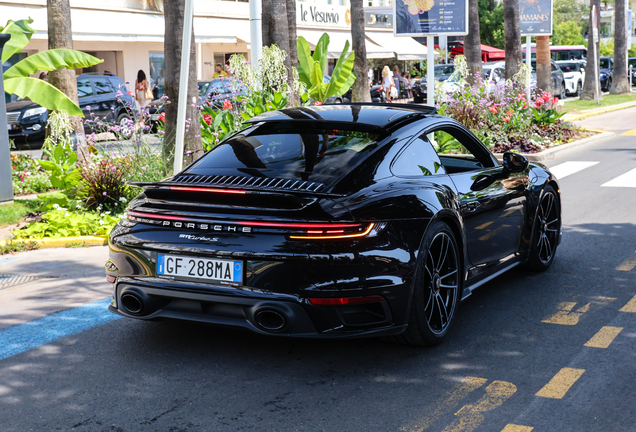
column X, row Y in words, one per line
column 200, row 268
column 154, row 117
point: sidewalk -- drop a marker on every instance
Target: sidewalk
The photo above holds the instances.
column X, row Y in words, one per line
column 596, row 111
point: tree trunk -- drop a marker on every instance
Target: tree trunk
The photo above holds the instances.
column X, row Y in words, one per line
column 512, row 32
column 61, row 36
column 293, row 51
column 472, row 43
column 620, row 83
column 360, row 90
column 593, row 52
column 544, row 67
column 492, row 5
column 174, row 11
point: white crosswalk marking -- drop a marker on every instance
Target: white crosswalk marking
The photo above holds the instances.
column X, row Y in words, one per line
column 626, row 180
column 567, row 168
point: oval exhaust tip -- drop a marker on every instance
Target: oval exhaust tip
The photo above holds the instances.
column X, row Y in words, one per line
column 132, row 303
column 270, row 320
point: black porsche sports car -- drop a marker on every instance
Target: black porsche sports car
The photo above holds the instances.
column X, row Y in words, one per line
column 334, row 221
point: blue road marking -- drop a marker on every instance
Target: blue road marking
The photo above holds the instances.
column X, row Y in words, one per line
column 23, row 337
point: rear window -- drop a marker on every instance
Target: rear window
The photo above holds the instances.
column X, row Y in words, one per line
column 314, row 155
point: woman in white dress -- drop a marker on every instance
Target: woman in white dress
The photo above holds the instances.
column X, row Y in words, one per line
column 387, row 82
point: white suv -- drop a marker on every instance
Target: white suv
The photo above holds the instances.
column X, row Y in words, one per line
column 574, row 74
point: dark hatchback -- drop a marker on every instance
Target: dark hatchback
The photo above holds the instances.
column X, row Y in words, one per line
column 606, row 65
column 103, row 95
column 442, row 73
column 333, row 221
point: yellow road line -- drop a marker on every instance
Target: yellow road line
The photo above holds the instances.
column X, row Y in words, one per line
column 493, row 232
column 629, row 133
column 482, row 226
column 604, row 337
column 508, row 213
column 630, row 306
column 565, row 316
column 472, row 415
column 628, row 265
column 516, row 428
column 560, row 383
column 456, row 394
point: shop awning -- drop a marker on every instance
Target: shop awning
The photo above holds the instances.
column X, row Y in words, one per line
column 337, row 42
column 406, row 48
column 488, row 53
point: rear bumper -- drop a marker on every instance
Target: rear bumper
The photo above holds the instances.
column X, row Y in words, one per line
column 273, row 314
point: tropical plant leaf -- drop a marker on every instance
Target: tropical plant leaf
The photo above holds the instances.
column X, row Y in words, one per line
column 320, row 53
column 304, row 61
column 20, row 32
column 42, row 93
column 342, row 72
column 316, row 77
column 51, row 60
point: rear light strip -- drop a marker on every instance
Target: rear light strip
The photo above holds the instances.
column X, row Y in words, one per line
column 211, row 190
column 298, row 225
column 329, row 235
column 341, row 301
column 155, row 216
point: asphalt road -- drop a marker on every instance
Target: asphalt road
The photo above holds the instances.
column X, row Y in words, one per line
column 553, row 351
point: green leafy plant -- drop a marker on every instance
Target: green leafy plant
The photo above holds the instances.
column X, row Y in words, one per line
column 311, row 69
column 15, row 246
column 17, row 80
column 60, row 222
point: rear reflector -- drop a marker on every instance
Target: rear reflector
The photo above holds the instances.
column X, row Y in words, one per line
column 345, row 300
column 210, row 190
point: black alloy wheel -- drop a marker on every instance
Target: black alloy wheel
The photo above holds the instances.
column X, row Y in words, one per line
column 436, row 291
column 546, row 232
column 562, row 95
column 609, row 84
column 579, row 88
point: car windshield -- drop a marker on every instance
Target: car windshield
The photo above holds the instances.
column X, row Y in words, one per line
column 569, row 67
column 306, row 154
column 444, row 70
column 203, row 86
column 632, row 62
column 605, row 63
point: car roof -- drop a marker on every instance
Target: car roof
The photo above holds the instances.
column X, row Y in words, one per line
column 376, row 115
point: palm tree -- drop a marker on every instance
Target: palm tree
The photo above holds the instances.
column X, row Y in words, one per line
column 512, row 32
column 360, row 90
column 593, row 52
column 620, row 84
column 279, row 28
column 174, row 11
column 472, row 43
column 544, row 66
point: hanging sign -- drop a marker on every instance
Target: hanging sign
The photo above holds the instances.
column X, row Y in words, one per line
column 430, row 17
column 535, row 17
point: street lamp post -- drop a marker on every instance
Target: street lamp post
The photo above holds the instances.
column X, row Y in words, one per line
column 6, row 185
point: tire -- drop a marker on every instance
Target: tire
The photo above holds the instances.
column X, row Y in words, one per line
column 609, row 84
column 546, row 232
column 123, row 121
column 579, row 89
column 436, row 290
column 562, row 95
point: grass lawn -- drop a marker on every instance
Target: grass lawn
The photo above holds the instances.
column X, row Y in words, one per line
column 12, row 213
column 608, row 100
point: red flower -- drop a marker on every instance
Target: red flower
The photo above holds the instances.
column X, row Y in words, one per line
column 555, row 100
column 546, row 97
column 507, row 119
column 162, row 117
column 539, row 102
column 317, row 103
column 227, row 104
column 521, row 96
column 207, row 118
column 509, row 113
column 493, row 109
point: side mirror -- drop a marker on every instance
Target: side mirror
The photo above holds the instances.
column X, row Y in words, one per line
column 514, row 162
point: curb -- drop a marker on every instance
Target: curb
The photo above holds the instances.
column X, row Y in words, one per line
column 549, row 153
column 578, row 117
column 49, row 242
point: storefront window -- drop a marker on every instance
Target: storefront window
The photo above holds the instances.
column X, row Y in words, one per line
column 157, row 74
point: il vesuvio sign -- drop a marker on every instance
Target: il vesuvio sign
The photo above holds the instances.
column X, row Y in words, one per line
column 313, row 15
column 430, row 17
column 535, row 17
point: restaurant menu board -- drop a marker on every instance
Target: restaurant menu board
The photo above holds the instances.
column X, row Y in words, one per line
column 430, row 17
column 535, row 17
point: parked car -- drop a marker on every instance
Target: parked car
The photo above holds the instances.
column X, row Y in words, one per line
column 377, row 94
column 334, row 222
column 632, row 62
column 574, row 75
column 605, row 72
column 215, row 91
column 102, row 94
column 442, row 72
column 497, row 70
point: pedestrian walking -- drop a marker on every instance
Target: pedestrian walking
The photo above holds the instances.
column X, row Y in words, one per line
column 396, row 78
column 143, row 94
column 387, row 82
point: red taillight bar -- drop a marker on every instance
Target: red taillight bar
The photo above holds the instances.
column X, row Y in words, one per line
column 298, row 225
column 340, row 301
column 156, row 216
column 211, row 190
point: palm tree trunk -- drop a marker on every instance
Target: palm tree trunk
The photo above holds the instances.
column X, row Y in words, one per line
column 293, row 51
column 512, row 32
column 360, row 90
column 472, row 43
column 593, row 52
column 61, row 36
column 174, row 11
column 620, row 84
column 276, row 30
column 544, row 67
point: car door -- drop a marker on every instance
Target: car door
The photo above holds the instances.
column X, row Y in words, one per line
column 85, row 95
column 493, row 211
column 104, row 98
